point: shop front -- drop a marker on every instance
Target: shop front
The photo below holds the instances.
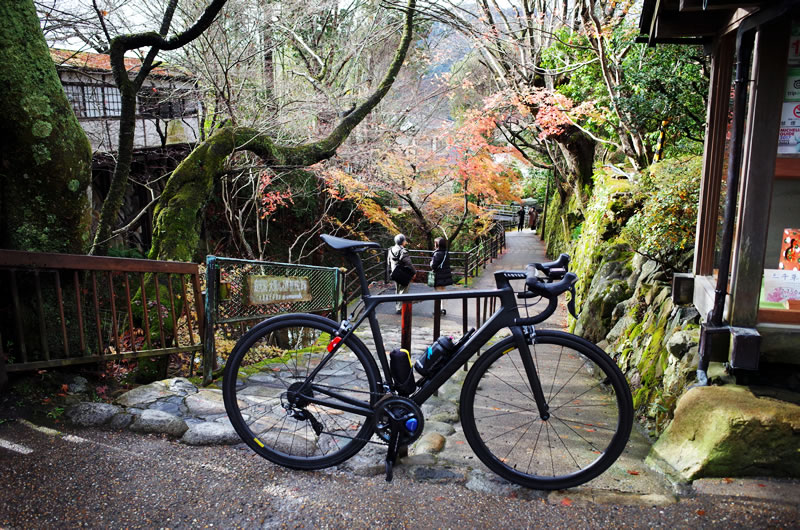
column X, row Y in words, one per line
column 746, row 277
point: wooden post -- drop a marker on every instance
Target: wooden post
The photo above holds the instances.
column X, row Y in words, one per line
column 761, row 145
column 209, row 347
column 719, row 94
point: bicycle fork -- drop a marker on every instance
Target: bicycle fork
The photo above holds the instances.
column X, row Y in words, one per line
column 523, row 336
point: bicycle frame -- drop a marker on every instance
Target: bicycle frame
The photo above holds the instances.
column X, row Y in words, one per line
column 506, row 316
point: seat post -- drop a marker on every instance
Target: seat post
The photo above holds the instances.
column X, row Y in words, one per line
column 358, row 265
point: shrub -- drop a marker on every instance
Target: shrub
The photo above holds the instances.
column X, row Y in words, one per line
column 664, row 229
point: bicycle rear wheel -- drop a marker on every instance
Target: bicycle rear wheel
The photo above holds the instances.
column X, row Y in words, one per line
column 590, row 406
column 261, row 382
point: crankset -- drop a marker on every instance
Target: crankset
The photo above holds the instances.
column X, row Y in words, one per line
column 398, row 421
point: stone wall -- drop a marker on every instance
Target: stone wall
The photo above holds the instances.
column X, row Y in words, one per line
column 626, row 307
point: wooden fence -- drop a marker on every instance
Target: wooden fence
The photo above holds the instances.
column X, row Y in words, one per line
column 63, row 309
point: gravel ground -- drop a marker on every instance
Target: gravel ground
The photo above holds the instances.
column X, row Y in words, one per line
column 92, row 478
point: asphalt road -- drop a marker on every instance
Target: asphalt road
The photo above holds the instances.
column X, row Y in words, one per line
column 102, row 479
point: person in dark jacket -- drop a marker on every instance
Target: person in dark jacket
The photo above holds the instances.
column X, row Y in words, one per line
column 399, row 255
column 521, row 214
column 440, row 265
column 534, row 218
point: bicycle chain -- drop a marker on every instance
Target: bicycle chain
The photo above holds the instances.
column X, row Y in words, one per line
column 369, row 440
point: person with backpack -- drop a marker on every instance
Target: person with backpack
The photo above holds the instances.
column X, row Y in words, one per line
column 401, row 270
column 440, row 266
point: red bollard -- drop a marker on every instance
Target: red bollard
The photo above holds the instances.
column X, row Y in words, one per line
column 405, row 325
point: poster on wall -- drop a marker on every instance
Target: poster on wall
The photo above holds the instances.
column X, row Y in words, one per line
column 780, row 286
column 789, row 135
column 790, row 250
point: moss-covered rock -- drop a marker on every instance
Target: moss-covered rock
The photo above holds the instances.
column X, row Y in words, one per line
column 609, row 287
column 625, row 301
column 731, row 431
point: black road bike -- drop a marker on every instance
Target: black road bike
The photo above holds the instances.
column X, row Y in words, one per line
column 544, row 409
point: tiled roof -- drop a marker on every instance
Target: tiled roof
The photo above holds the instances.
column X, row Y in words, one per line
column 102, row 62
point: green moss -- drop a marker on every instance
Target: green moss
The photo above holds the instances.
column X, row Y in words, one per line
column 46, row 148
column 259, row 366
column 41, row 129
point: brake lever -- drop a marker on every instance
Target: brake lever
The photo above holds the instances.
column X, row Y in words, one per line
column 571, row 302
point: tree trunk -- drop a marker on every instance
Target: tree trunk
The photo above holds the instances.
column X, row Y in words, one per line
column 578, row 148
column 45, row 156
column 177, row 217
column 119, row 181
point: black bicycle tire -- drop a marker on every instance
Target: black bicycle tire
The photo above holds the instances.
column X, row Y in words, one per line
column 599, row 358
column 229, row 387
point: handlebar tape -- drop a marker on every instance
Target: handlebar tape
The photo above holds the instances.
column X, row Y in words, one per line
column 549, row 290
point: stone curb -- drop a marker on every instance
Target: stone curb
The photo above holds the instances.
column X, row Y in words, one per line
column 173, row 407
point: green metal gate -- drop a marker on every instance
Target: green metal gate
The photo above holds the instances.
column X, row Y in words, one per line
column 235, row 294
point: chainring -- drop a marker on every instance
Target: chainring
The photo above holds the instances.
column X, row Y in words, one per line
column 398, row 412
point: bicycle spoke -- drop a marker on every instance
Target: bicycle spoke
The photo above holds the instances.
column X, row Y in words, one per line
column 508, row 431
column 290, row 427
column 576, row 397
column 595, row 425
column 518, row 407
column 518, row 439
column 511, row 386
column 580, row 438
column 555, row 373
column 525, row 379
column 580, row 435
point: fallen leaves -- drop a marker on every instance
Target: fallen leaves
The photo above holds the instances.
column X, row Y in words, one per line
column 632, row 472
column 566, row 501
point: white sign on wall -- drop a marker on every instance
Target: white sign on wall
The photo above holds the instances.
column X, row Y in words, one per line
column 277, row 289
column 781, row 285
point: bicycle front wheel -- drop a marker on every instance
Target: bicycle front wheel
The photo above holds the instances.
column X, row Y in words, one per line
column 590, row 407
column 286, row 424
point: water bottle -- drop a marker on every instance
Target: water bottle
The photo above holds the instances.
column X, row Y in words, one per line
column 400, row 366
column 434, row 356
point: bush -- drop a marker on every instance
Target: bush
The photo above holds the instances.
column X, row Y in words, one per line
column 664, row 229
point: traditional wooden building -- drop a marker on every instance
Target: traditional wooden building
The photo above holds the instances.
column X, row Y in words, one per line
column 168, row 124
column 167, row 106
column 748, row 229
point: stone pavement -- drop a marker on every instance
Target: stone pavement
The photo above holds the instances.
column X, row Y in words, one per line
column 443, row 449
column 197, row 416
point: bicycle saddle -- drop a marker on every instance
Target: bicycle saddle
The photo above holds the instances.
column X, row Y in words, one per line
column 347, row 245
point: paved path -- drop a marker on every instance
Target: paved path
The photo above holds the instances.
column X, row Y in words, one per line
column 628, row 476
column 91, row 478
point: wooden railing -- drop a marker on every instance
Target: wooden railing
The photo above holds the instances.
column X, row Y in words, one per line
column 63, row 309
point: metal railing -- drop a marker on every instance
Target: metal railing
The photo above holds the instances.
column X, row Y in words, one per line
column 64, row 309
column 503, row 210
column 464, row 264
